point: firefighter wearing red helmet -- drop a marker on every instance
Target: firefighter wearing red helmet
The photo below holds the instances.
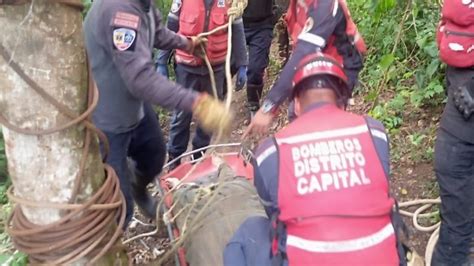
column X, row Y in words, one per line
column 323, row 181
column 314, row 25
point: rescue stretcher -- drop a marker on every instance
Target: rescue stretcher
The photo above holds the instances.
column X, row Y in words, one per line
column 233, row 155
column 237, row 158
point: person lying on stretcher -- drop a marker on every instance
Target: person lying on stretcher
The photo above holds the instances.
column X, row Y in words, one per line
column 324, row 183
column 208, row 200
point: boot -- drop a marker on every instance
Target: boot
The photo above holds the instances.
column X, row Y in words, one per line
column 175, row 164
column 252, row 110
column 254, row 93
column 142, row 197
column 197, row 155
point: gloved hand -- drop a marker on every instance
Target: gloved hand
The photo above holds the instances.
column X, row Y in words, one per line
column 241, row 78
column 163, row 70
column 195, row 44
column 212, row 114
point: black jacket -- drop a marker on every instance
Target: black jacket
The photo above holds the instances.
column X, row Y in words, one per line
column 258, row 12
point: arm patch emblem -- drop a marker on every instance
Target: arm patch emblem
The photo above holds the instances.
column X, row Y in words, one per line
column 124, row 39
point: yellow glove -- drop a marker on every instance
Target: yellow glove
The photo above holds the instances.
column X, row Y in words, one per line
column 212, row 114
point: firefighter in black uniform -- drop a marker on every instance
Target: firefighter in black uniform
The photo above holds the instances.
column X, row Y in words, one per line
column 259, row 20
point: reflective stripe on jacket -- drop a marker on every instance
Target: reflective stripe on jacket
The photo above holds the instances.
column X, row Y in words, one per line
column 333, row 194
column 298, row 23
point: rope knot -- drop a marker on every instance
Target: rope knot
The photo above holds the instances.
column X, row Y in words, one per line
column 237, row 8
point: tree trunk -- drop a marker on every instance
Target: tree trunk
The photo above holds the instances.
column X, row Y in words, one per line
column 45, row 39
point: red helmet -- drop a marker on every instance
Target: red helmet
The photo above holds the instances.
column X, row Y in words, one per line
column 320, row 64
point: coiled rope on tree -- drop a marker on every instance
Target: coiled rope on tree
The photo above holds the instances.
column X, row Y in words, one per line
column 85, row 229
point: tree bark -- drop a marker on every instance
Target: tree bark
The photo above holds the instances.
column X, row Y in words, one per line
column 45, row 39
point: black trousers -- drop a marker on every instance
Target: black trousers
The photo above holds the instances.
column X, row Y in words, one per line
column 454, row 167
column 145, row 146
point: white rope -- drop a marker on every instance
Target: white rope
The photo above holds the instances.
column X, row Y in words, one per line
column 424, row 205
column 238, row 7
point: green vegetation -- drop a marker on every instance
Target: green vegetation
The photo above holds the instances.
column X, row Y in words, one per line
column 403, row 78
column 15, row 259
column 403, row 56
column 164, row 6
column 87, row 6
column 8, row 256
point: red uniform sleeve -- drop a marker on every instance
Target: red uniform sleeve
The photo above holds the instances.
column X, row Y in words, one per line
column 323, row 18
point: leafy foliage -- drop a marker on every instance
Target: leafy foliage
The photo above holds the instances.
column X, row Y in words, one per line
column 403, row 58
column 164, row 7
column 7, row 254
column 15, row 259
column 87, row 5
column 403, row 77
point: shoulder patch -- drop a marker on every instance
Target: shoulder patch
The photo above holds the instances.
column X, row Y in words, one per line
column 122, row 19
column 176, row 6
column 124, row 38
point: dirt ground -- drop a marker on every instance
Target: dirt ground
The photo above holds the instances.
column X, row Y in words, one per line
column 411, row 177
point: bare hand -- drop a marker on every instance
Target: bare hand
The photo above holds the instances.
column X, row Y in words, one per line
column 259, row 125
column 196, row 44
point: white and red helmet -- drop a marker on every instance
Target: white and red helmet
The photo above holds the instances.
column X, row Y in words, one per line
column 319, row 64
